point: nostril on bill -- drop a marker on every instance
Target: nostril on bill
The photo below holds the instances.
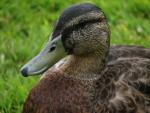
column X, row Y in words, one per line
column 24, row 72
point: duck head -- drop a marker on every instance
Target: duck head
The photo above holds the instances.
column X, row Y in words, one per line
column 81, row 30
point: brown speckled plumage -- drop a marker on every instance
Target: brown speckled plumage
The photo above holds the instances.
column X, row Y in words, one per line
column 128, row 51
column 92, row 81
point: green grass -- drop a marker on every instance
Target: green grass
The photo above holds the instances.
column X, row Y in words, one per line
column 26, row 24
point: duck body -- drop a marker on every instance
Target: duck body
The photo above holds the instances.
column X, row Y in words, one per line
column 119, row 89
column 92, row 77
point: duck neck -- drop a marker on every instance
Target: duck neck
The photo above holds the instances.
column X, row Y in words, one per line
column 88, row 66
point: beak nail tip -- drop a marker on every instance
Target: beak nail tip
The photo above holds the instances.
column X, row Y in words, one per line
column 24, row 72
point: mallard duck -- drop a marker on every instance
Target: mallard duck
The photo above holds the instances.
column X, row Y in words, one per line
column 89, row 79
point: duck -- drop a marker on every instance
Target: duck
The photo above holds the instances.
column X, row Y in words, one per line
column 83, row 74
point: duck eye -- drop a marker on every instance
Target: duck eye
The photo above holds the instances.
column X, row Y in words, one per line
column 52, row 48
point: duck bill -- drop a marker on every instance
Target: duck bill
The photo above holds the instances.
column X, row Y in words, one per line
column 51, row 54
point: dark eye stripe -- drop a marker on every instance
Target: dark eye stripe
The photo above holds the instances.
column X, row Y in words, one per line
column 81, row 24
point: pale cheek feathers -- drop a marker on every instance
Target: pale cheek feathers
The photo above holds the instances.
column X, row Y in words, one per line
column 90, row 38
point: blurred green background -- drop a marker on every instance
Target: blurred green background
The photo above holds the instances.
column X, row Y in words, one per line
column 25, row 26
